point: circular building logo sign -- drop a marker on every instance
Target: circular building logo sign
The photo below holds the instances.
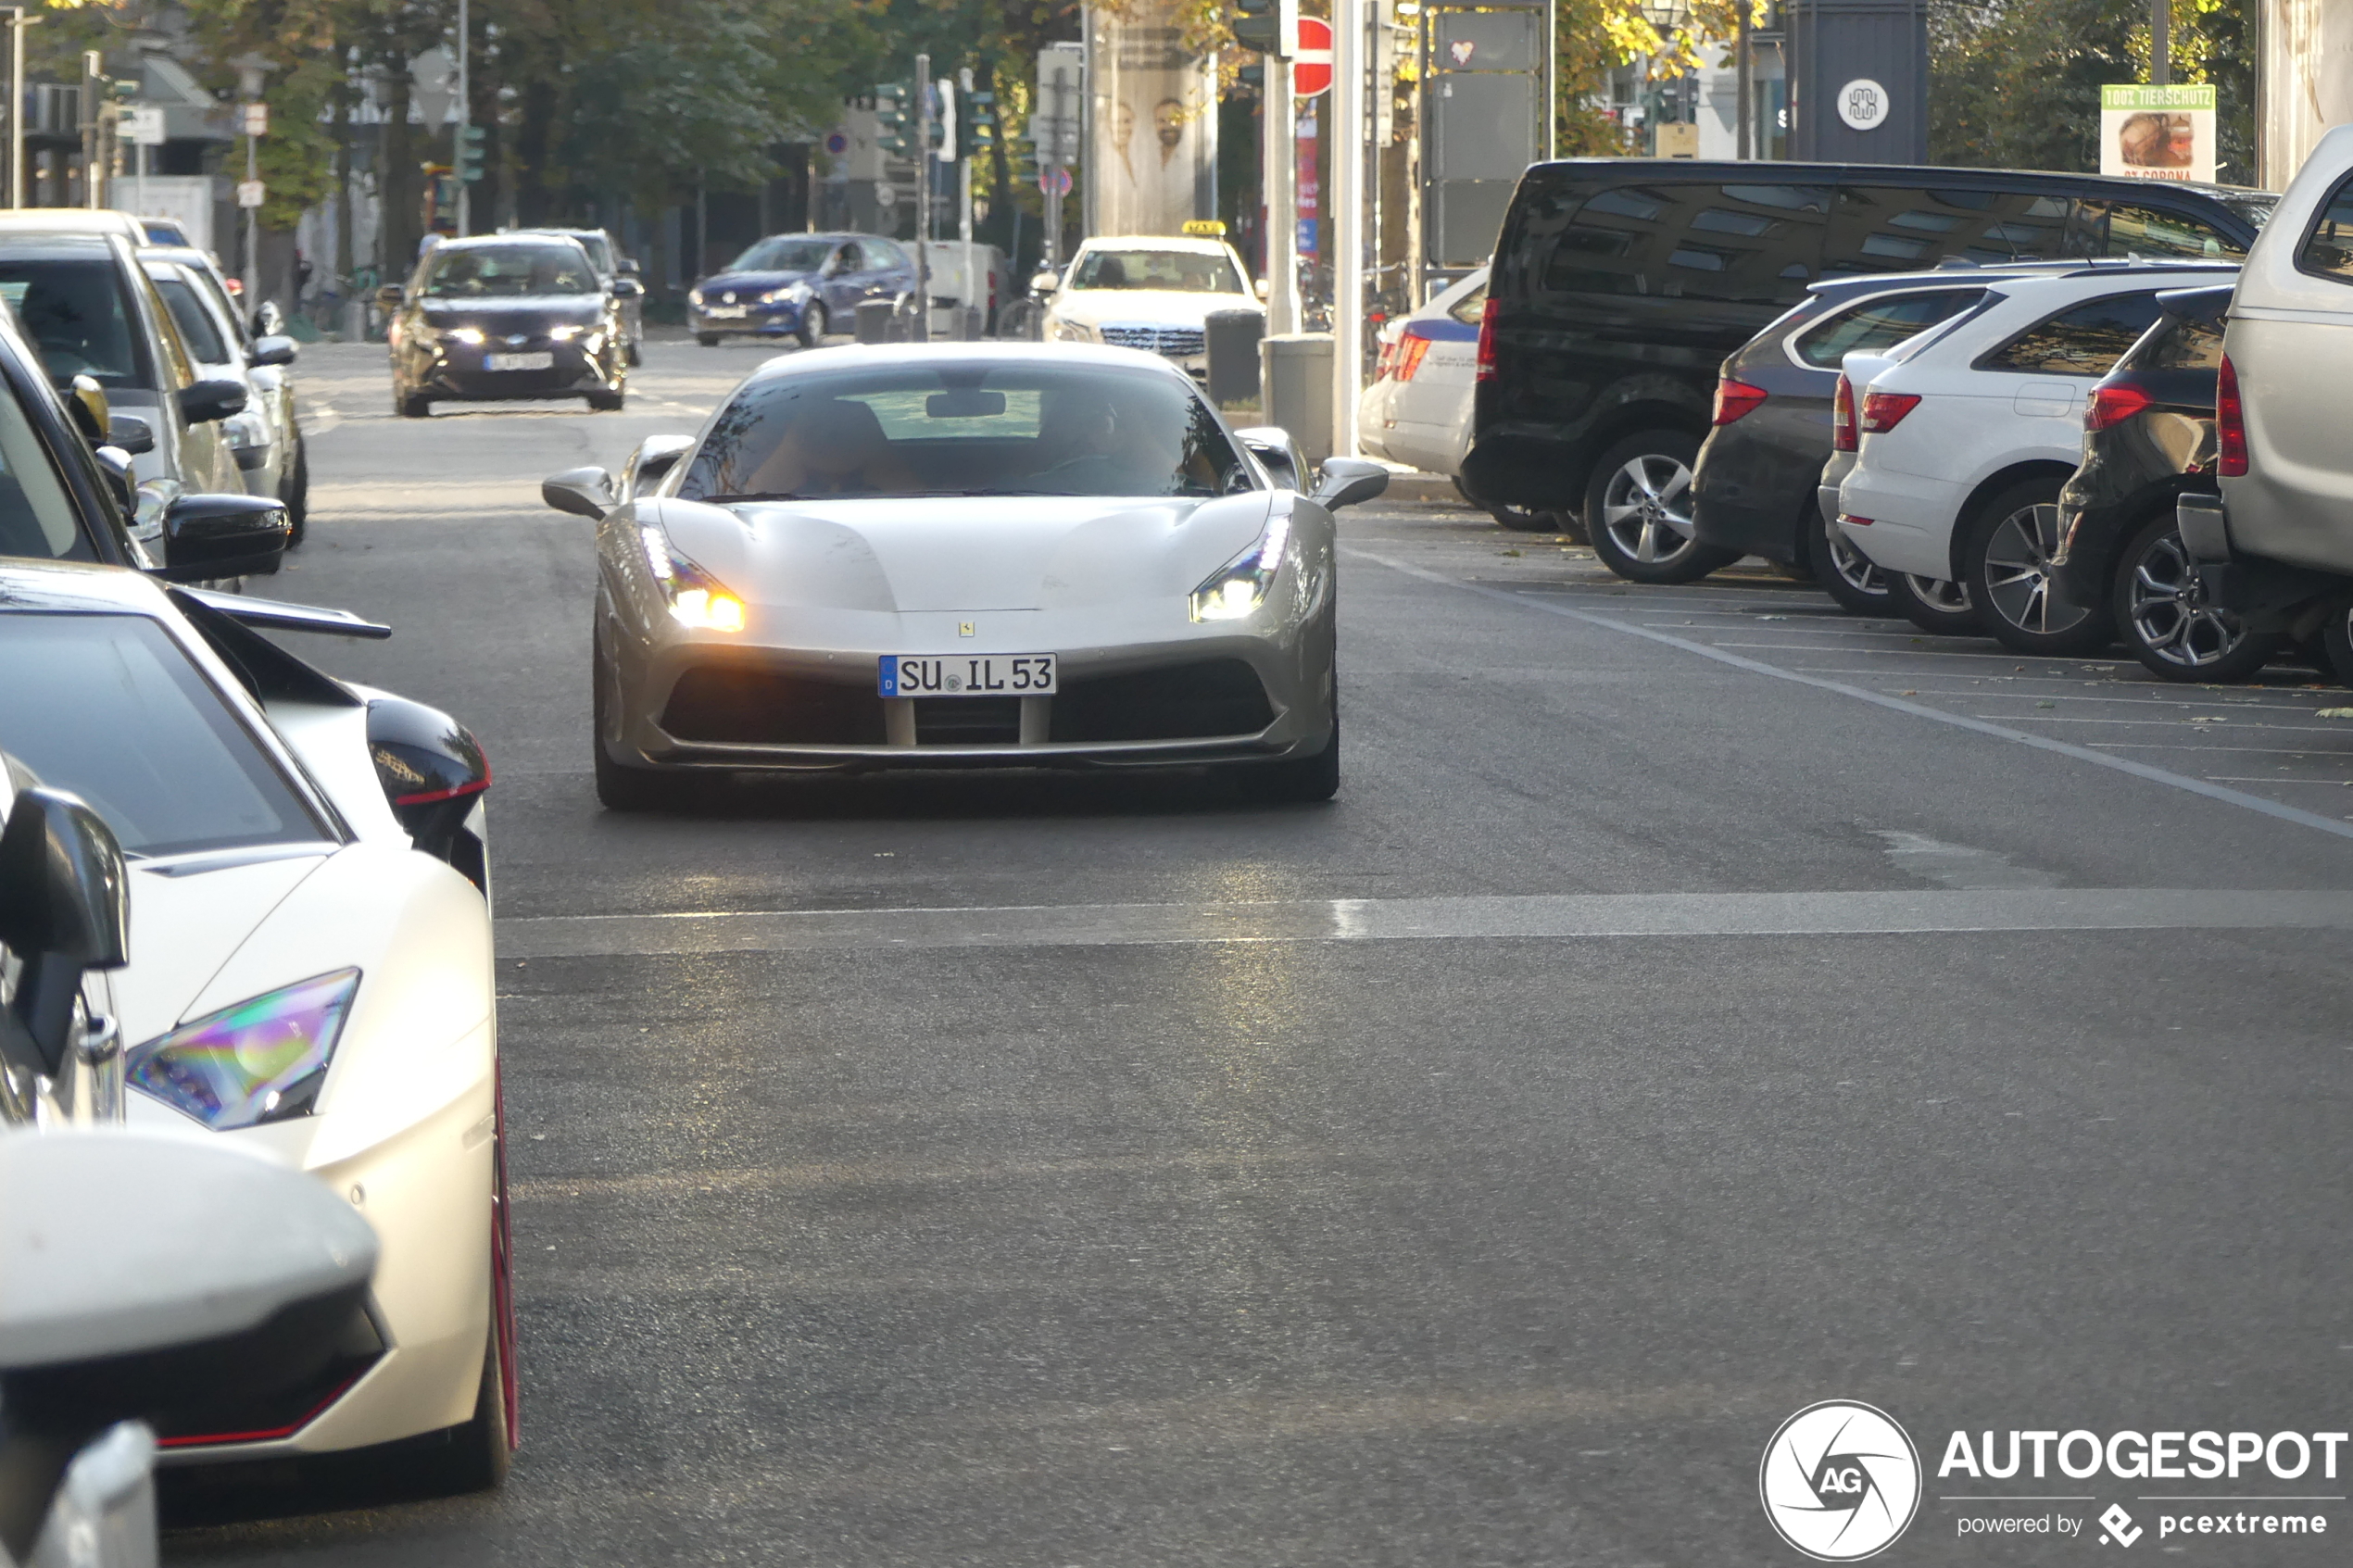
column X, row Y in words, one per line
column 1839, row 1481
column 1862, row 102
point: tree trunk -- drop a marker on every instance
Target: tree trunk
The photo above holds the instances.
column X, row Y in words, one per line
column 401, row 222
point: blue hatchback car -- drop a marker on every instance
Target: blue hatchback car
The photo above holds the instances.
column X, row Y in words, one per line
column 798, row 285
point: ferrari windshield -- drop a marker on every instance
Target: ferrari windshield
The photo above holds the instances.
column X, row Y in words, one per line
column 1182, row 272
column 110, row 708
column 963, row 427
column 784, row 255
column 510, row 271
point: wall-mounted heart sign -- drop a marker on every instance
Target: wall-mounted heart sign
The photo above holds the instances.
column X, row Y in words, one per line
column 1462, row 49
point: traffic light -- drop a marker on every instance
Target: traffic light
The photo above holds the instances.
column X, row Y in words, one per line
column 891, row 117
column 123, row 90
column 472, row 152
column 977, row 137
column 1256, row 25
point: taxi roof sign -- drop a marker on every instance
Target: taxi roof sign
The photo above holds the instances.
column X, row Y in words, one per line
column 1205, row 229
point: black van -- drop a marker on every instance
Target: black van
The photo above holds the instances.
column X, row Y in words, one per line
column 1620, row 284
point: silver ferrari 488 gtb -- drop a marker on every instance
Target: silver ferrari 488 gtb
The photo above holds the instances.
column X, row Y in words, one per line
column 969, row 556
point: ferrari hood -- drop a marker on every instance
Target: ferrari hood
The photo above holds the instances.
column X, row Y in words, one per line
column 977, row 553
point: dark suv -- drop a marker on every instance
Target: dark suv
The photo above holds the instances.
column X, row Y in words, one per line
column 1620, row 285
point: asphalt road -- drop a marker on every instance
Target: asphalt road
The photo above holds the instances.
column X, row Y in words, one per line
column 1697, row 1004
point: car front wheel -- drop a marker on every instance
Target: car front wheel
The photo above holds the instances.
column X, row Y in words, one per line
column 813, row 325
column 1637, row 510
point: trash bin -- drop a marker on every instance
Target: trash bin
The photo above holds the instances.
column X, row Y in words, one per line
column 1232, row 340
column 873, row 320
column 1295, row 389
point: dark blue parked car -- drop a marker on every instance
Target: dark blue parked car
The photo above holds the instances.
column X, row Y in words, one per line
column 798, row 285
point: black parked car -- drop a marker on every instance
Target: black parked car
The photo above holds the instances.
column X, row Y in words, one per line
column 2149, row 440
column 798, row 285
column 504, row 316
column 1620, row 285
column 1754, row 487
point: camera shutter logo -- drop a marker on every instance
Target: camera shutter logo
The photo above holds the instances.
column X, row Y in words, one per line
column 1841, row 1481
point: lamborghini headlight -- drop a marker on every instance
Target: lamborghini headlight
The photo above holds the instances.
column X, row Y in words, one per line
column 1240, row 587
column 263, row 1060
column 697, row 599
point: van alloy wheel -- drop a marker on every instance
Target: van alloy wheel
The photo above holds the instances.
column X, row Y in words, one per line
column 1646, row 505
column 1637, row 510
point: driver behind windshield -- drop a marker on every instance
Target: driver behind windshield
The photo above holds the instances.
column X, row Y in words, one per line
column 509, row 273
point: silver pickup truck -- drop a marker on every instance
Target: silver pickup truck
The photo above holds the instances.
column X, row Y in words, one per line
column 2277, row 547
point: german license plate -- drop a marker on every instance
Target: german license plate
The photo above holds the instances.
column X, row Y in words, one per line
column 727, row 312
column 964, row 674
column 518, row 361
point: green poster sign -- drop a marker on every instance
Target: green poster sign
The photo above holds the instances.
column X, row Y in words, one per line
column 2196, row 96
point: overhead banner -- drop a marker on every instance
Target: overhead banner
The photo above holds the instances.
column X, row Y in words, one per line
column 1151, row 161
column 2157, row 132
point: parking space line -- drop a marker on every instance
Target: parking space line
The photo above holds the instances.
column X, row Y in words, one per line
column 2277, row 809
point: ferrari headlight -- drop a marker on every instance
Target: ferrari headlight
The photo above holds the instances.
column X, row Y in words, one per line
column 471, row 337
column 1075, row 332
column 263, row 1060
column 697, row 599
column 564, row 333
column 1240, row 587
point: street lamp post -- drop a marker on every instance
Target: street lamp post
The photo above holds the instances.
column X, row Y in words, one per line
column 251, row 70
column 17, row 23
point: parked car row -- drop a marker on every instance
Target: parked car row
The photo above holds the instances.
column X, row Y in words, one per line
column 243, row 903
column 177, row 388
column 1972, row 398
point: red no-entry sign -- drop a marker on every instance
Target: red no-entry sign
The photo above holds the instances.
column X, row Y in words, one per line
column 1311, row 64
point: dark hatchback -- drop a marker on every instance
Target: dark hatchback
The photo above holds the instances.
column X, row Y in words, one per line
column 504, row 317
column 2148, row 441
column 1620, row 285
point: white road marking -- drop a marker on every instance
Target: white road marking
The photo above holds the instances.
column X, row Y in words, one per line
column 1906, row 912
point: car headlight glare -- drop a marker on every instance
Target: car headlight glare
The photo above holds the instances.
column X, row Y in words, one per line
column 564, row 333
column 694, row 297
column 1240, row 587
column 263, row 1060
column 695, row 597
column 470, row 336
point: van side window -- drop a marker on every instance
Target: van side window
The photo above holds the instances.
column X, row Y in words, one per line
column 1898, row 229
column 2327, row 251
column 2083, row 340
column 1748, row 244
column 2107, row 228
column 1877, row 323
